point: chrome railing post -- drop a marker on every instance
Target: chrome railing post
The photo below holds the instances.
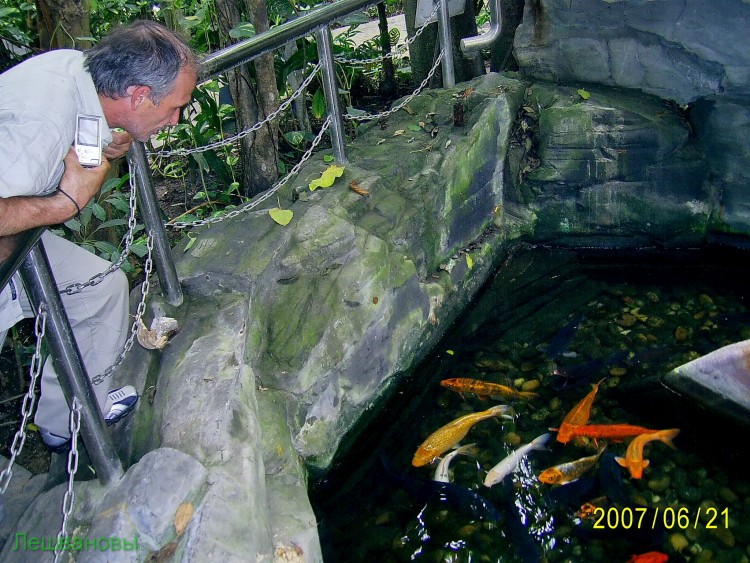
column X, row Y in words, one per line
column 71, row 373
column 151, row 215
column 331, row 89
column 446, row 42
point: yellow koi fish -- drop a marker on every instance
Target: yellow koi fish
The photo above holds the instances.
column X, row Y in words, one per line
column 633, row 459
column 484, row 389
column 570, row 471
column 447, row 436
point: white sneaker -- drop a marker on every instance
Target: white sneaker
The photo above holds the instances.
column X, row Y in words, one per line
column 123, row 402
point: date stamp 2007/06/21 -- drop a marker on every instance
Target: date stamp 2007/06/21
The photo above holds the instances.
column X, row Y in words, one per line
column 682, row 518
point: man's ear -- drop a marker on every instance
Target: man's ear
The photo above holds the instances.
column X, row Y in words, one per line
column 138, row 95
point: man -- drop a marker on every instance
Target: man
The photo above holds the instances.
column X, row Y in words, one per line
column 138, row 79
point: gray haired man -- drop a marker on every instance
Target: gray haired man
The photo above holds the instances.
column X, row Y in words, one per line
column 138, row 78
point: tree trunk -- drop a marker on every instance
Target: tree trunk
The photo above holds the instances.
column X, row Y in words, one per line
column 501, row 55
column 266, row 156
column 258, row 151
column 422, row 51
column 388, row 87
column 62, row 24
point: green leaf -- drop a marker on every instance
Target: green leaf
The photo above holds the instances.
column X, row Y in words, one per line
column 584, row 94
column 98, row 211
column 74, row 225
column 282, row 216
column 243, row 31
column 294, row 137
column 111, row 223
column 469, row 261
column 327, row 158
column 319, row 104
column 414, row 128
column 328, row 177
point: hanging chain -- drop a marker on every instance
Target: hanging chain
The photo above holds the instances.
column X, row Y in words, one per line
column 398, row 51
column 407, row 99
column 260, row 199
column 74, row 288
column 141, row 309
column 69, row 497
column 29, row 399
column 230, row 140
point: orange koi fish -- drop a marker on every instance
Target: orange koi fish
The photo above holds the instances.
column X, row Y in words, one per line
column 570, row 471
column 649, row 557
column 633, row 459
column 578, row 416
column 485, row 388
column 447, row 436
column 615, row 432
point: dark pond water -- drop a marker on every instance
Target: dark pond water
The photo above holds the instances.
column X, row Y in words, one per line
column 639, row 317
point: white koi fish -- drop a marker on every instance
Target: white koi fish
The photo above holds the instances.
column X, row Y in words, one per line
column 510, row 463
column 441, row 473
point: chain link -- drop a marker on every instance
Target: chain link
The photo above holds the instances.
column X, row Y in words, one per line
column 260, row 199
column 69, row 497
column 29, row 400
column 140, row 310
column 75, row 287
column 409, row 98
column 230, row 140
column 399, row 50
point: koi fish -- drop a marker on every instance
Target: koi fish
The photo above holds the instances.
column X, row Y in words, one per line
column 633, row 459
column 485, row 388
column 510, row 463
column 615, row 432
column 562, row 339
column 461, row 499
column 570, row 471
column 445, row 437
column 649, row 557
column 578, row 415
column 441, row 473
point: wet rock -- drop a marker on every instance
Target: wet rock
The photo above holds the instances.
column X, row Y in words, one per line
column 659, row 484
column 678, row 542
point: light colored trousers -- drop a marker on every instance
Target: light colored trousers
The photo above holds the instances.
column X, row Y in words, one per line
column 99, row 318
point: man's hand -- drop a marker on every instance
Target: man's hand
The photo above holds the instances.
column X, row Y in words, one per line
column 120, row 144
column 81, row 183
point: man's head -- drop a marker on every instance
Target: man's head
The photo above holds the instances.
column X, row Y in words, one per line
column 144, row 75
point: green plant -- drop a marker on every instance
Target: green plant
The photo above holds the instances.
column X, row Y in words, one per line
column 102, row 224
column 17, row 32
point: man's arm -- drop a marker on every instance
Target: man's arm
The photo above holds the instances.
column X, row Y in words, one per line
column 25, row 212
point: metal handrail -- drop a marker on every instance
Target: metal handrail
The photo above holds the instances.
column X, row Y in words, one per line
column 486, row 39
column 248, row 49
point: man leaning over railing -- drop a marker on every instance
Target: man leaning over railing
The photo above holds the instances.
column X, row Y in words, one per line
column 138, row 79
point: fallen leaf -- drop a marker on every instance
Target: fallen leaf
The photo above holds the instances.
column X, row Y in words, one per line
column 408, row 110
column 150, row 339
column 381, row 141
column 282, row 216
column 182, row 517
column 357, row 189
column 399, row 132
column 469, row 261
column 327, row 178
column 584, row 94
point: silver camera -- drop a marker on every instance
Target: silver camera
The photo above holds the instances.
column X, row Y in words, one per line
column 88, row 141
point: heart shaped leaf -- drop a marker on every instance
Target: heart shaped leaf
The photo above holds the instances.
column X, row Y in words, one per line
column 282, row 216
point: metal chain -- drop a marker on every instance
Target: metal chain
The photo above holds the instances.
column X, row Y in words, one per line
column 140, row 310
column 75, row 287
column 230, row 140
column 69, row 497
column 409, row 98
column 398, row 51
column 260, row 199
column 29, row 400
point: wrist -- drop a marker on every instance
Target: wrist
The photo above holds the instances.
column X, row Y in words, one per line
column 71, row 202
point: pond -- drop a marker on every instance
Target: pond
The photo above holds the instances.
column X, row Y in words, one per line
column 553, row 323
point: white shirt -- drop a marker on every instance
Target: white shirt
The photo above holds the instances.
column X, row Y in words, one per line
column 39, row 101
